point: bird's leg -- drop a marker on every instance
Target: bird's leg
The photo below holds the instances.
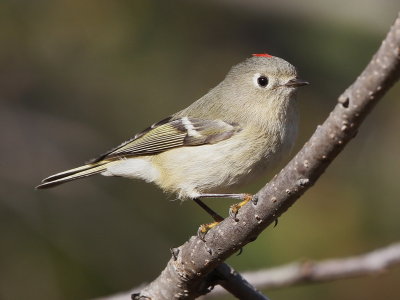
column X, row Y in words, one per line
column 204, row 228
column 212, row 213
column 233, row 196
column 234, row 209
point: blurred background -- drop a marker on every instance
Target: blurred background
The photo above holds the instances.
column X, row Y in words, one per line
column 79, row 77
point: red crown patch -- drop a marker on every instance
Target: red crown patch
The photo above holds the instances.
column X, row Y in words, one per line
column 263, row 55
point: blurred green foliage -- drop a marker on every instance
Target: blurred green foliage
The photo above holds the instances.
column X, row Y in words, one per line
column 79, row 77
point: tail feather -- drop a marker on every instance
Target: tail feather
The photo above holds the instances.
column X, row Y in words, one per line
column 69, row 175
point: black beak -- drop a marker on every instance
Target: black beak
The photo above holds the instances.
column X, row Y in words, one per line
column 296, row 82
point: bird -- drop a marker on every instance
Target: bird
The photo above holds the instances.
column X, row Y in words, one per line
column 233, row 134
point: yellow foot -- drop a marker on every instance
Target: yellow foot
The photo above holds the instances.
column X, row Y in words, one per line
column 204, row 228
column 234, row 209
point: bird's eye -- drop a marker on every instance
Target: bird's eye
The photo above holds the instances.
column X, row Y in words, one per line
column 262, row 81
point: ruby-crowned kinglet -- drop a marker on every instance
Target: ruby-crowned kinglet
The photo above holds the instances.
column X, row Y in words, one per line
column 227, row 137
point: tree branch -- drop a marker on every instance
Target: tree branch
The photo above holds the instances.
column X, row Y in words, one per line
column 186, row 275
column 375, row 262
column 307, row 271
column 233, row 283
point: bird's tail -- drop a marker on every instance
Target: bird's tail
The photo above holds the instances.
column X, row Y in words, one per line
column 77, row 173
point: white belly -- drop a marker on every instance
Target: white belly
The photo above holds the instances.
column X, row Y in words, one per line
column 221, row 167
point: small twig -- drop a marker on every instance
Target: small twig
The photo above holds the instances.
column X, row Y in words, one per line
column 233, row 283
column 375, row 262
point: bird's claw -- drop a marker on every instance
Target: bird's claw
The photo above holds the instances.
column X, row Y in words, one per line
column 204, row 228
column 234, row 209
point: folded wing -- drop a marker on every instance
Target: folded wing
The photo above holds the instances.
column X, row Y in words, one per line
column 169, row 134
column 162, row 136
